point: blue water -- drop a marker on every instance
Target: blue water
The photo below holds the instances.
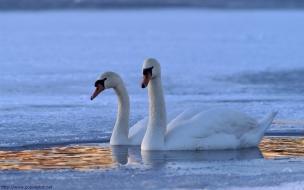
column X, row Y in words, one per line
column 49, row 60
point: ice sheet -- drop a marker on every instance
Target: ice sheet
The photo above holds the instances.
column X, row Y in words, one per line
column 50, row 60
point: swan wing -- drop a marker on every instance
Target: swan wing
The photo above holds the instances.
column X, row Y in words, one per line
column 219, row 128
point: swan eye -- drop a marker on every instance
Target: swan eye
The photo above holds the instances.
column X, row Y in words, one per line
column 148, row 70
column 100, row 82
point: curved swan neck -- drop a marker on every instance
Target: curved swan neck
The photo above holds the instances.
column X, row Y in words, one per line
column 155, row 135
column 121, row 128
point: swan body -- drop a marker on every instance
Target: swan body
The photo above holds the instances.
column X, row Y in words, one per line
column 122, row 135
column 138, row 130
column 196, row 129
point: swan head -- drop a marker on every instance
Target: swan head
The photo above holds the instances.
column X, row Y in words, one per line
column 151, row 69
column 105, row 81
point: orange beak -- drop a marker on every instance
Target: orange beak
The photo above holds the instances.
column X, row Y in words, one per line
column 99, row 89
column 145, row 81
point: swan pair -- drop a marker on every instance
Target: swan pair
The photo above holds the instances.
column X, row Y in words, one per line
column 193, row 129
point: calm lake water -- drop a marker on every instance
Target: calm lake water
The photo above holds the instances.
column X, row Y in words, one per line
column 49, row 60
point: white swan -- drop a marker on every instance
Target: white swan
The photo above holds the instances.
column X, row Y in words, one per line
column 122, row 135
column 194, row 129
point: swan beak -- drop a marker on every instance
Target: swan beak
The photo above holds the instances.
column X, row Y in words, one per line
column 145, row 81
column 99, row 89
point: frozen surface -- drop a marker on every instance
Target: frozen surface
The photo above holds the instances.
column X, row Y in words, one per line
column 50, row 61
column 248, row 60
column 229, row 169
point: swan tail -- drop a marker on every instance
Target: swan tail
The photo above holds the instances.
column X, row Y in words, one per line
column 265, row 122
column 254, row 135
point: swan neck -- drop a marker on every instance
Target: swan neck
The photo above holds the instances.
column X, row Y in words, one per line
column 121, row 128
column 155, row 135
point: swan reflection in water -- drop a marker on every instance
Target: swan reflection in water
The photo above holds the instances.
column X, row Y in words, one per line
column 99, row 157
column 103, row 156
column 131, row 155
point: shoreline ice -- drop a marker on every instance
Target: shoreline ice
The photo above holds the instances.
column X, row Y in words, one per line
column 231, row 174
